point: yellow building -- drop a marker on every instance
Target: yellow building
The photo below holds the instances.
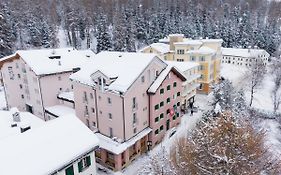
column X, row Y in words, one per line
column 206, row 52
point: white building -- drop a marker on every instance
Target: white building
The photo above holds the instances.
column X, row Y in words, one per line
column 64, row 146
column 243, row 57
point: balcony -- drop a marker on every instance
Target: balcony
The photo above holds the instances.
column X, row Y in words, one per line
column 189, row 89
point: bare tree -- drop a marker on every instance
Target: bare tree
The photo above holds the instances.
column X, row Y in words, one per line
column 276, row 91
column 219, row 145
column 254, row 77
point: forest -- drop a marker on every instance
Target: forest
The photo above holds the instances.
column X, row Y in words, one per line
column 128, row 25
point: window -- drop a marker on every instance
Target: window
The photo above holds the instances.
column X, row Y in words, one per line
column 201, row 67
column 19, row 76
column 161, row 127
column 156, row 73
column 161, row 115
column 84, row 163
column 134, row 103
column 178, row 94
column 142, row 79
column 175, row 84
column 22, row 96
column 85, row 99
column 162, row 91
column 156, row 132
column 168, row 100
column 193, row 58
column 180, row 51
column 88, row 123
column 134, row 118
column 20, row 86
column 59, row 78
column 168, row 87
column 91, row 95
column 69, row 170
column 178, row 104
column 109, row 100
column 202, row 58
column 93, row 110
column 135, row 130
column 11, row 73
column 86, row 110
column 110, row 116
column 180, row 60
column 174, row 117
column 168, row 111
column 94, row 124
column 110, row 132
column 156, row 119
column 161, row 103
column 156, row 107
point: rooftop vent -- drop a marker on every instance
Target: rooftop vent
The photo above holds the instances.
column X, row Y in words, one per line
column 14, row 125
column 24, row 128
column 88, row 56
column 54, row 57
column 59, row 63
column 16, row 114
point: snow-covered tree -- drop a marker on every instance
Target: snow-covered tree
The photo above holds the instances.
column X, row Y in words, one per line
column 103, row 36
column 276, row 91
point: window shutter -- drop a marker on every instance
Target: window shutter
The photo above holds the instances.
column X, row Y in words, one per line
column 80, row 166
column 88, row 160
column 69, row 171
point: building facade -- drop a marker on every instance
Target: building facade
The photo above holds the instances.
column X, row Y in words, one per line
column 244, row 57
column 206, row 52
column 111, row 97
column 33, row 79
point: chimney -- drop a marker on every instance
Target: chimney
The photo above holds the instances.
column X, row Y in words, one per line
column 15, row 114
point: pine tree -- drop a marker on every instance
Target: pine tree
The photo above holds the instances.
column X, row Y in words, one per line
column 103, row 37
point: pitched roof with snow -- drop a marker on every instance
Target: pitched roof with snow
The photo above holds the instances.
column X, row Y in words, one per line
column 157, row 83
column 203, row 50
column 49, row 61
column 246, row 53
column 123, row 67
column 26, row 118
column 183, row 66
column 46, row 149
column 189, row 42
column 160, row 47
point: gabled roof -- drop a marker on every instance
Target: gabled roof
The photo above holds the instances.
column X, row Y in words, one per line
column 157, row 83
column 123, row 67
column 46, row 149
column 183, row 66
column 160, row 47
column 203, row 50
column 49, row 61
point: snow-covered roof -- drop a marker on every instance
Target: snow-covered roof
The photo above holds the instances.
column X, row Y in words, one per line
column 189, row 42
column 26, row 118
column 116, row 147
column 49, row 61
column 202, row 50
column 176, row 34
column 160, row 47
column 183, row 66
column 60, row 110
column 157, row 83
column 246, row 53
column 123, row 67
column 46, row 149
column 66, row 95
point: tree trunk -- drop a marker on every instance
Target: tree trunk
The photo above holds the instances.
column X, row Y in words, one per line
column 252, row 96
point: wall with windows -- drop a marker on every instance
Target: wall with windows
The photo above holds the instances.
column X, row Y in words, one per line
column 83, row 166
column 137, row 117
column 165, row 107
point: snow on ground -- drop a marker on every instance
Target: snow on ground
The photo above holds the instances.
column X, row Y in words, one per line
column 2, row 98
column 187, row 123
column 262, row 97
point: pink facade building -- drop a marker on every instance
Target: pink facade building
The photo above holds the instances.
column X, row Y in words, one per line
column 119, row 96
column 34, row 79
